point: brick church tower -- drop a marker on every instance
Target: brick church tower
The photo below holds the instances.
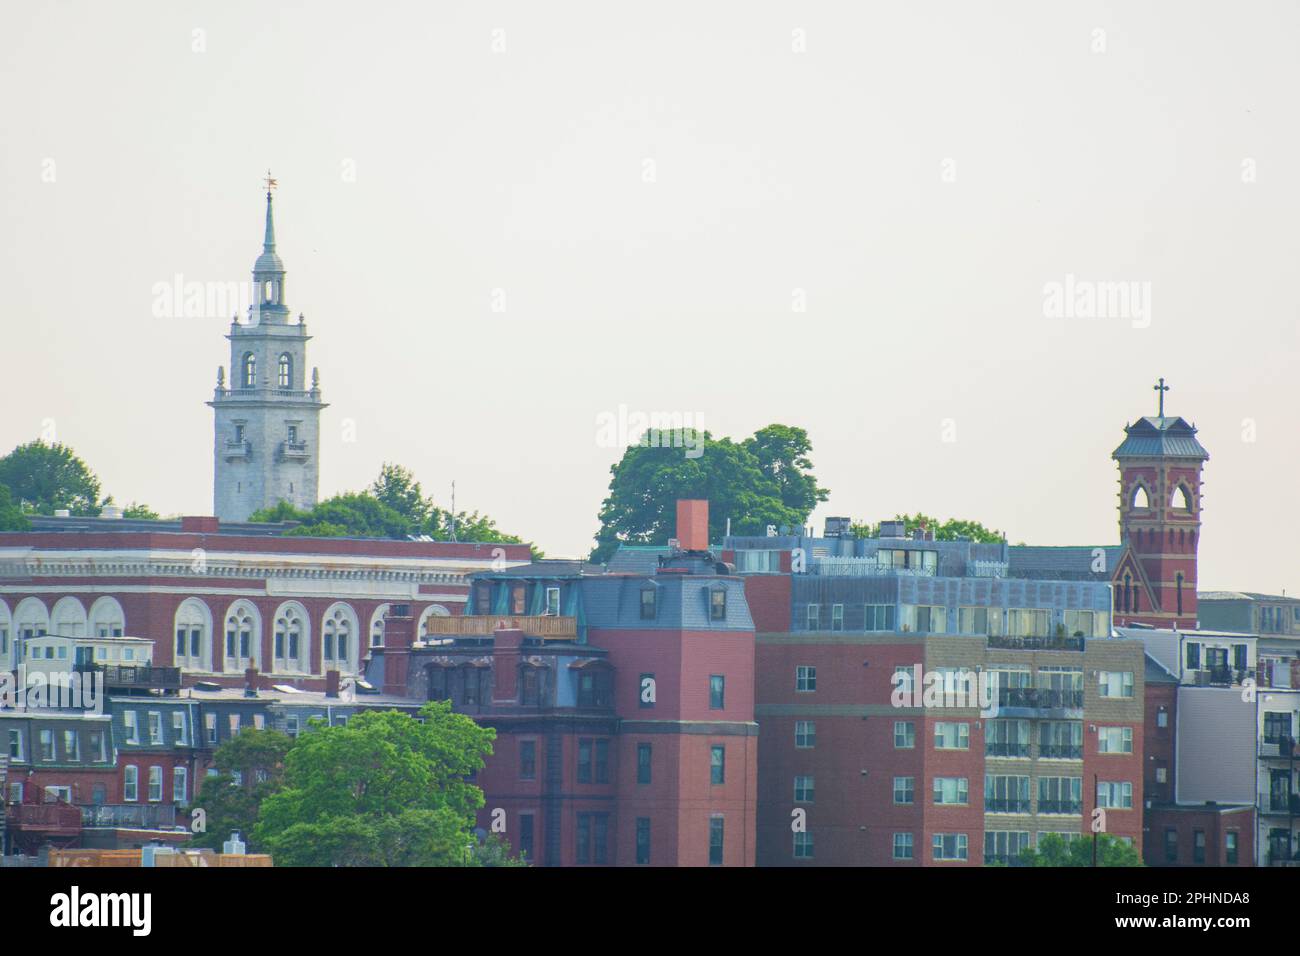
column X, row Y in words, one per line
column 1160, row 501
column 267, row 422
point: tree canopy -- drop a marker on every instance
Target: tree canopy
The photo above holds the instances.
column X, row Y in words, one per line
column 11, row 516
column 42, row 478
column 949, row 530
column 383, row 790
column 1055, row 850
column 249, row 769
column 394, row 506
column 765, row 479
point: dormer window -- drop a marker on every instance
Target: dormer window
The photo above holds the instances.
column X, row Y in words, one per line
column 718, row 604
column 649, row 599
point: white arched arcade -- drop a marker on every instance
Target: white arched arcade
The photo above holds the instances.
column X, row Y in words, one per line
column 291, row 639
column 107, row 618
column 68, row 619
column 340, row 639
column 242, row 644
column 193, row 629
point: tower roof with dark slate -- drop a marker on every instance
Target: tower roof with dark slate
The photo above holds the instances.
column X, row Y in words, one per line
column 1161, row 436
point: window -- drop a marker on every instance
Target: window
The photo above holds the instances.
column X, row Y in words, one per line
column 71, row 746
column 284, row 372
column 46, row 738
column 291, row 725
column 803, row 789
column 130, row 783
column 1060, row 795
column 647, row 691
column 16, row 746
column 1162, row 775
column 951, row 790
column 526, row 836
column 240, row 625
column 155, row 728
column 904, row 790
column 904, row 735
column 949, row 735
column 643, row 763
column 1004, row 846
column 814, row 617
column 593, row 689
column 950, row 846
column 649, row 599
column 717, row 604
column 1115, row 683
column 931, row 619
column 290, row 640
column 805, row 678
column 249, row 378
column 234, row 725
column 643, row 840
column 878, row 617
column 131, row 720
column 336, row 637
column 1115, row 795
column 293, row 440
column 1277, row 726
column 1114, row 740
column 1060, row 739
column 1171, row 845
column 715, row 841
column 803, row 846
column 903, row 678
column 837, row 617
column 593, row 837
column 1006, row 794
column 552, row 602
column 717, row 764
column 1198, row 846
column 584, row 761
column 602, row 760
column 210, row 721
column 180, row 785
column 902, row 846
column 973, row 620
column 805, row 734
column 1006, row 738
column 717, row 691
column 1230, row 847
column 1193, row 656
column 1162, row 719
column 527, row 760
column 758, row 562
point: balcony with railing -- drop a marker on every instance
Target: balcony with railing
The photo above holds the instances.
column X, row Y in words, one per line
column 238, row 450
column 1061, row 751
column 134, row 677
column 1220, row 676
column 56, row 818
column 1006, row 805
column 1278, row 748
column 1073, row 807
column 142, row 816
column 1280, row 804
column 1040, row 700
column 1055, row 642
column 549, row 627
column 994, row 748
column 293, row 450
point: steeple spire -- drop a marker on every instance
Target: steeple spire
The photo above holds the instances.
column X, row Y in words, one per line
column 268, row 243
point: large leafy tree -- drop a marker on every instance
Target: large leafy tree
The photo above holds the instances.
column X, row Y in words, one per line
column 949, row 530
column 397, row 488
column 760, row 481
column 11, row 516
column 1055, row 850
column 249, row 769
column 47, row 477
column 384, row 790
column 782, row 454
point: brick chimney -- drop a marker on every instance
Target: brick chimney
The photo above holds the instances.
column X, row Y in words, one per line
column 331, row 683
column 250, row 682
column 507, row 643
column 693, row 524
column 399, row 635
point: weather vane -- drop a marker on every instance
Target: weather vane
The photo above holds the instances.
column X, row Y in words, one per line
column 270, row 183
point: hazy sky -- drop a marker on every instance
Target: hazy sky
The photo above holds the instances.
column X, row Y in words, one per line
column 652, row 191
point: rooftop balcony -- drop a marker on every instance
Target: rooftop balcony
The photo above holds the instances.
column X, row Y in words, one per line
column 1043, row 643
column 143, row 816
column 132, row 677
column 57, row 819
column 548, row 627
column 1220, row 676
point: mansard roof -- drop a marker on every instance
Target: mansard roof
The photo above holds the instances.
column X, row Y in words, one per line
column 1161, row 437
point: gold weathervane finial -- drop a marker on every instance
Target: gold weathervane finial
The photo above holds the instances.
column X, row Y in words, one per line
column 270, row 183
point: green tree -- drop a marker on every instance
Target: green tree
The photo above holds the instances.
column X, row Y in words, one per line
column 44, row 478
column 1055, row 850
column 949, row 530
column 250, row 767
column 646, row 483
column 397, row 488
column 137, row 510
column 11, row 516
column 782, row 454
column 383, row 790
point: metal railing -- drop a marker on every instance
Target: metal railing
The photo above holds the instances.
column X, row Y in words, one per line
column 1060, row 642
column 483, row 625
column 134, row 676
column 142, row 815
column 1042, row 698
column 1060, row 806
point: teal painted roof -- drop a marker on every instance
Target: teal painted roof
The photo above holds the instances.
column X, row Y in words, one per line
column 1161, row 437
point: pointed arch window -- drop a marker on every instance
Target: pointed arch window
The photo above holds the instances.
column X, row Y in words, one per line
column 242, row 626
column 285, row 372
column 1128, row 593
column 1140, row 498
column 1180, row 594
column 290, row 644
column 249, row 370
column 339, row 643
column 1182, row 499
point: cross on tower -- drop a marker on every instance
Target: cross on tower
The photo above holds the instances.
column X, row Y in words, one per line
column 1160, row 390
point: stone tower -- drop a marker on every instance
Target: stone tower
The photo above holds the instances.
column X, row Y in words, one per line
column 267, row 441
column 1160, row 464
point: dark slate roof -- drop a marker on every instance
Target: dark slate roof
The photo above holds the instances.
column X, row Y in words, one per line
column 1167, row 437
column 637, row 558
column 1244, row 596
column 614, row 601
column 1156, row 673
column 550, row 568
column 1071, row 563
